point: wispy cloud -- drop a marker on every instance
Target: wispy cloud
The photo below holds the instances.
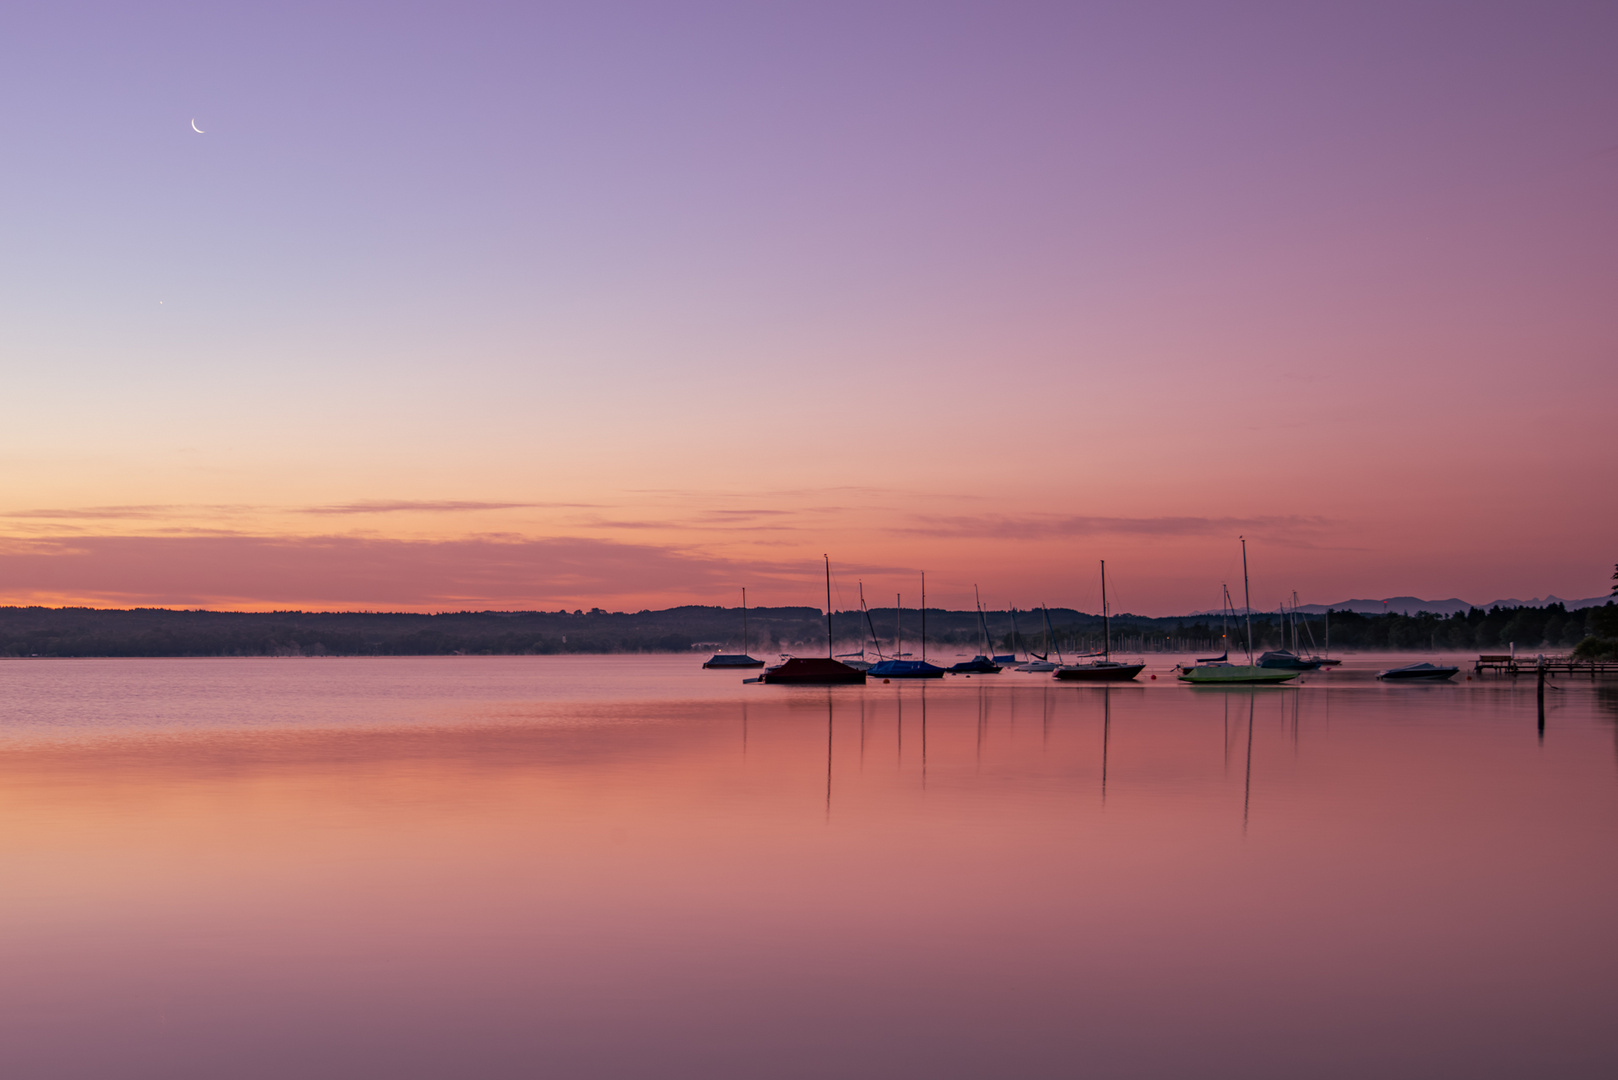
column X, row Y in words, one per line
column 1041, row 526
column 112, row 513
column 436, row 506
column 339, row 571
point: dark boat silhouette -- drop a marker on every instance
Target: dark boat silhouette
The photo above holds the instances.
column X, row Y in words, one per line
column 1105, row 669
column 1286, row 660
column 899, row 668
column 736, row 660
column 1413, row 672
column 981, row 664
column 816, row 670
column 812, row 671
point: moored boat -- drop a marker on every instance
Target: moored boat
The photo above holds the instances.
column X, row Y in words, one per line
column 1418, row 672
column 1286, row 659
column 905, row 669
column 981, row 664
column 736, row 660
column 1220, row 672
column 732, row 660
column 1227, row 674
column 812, row 671
column 1105, row 669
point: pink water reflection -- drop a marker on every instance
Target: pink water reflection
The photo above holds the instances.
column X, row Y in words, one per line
column 528, row 867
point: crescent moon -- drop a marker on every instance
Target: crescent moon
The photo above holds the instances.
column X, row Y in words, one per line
column 196, row 129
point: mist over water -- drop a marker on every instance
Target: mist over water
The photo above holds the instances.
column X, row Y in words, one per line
column 625, row 866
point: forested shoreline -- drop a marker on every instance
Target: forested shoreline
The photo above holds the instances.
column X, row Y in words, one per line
column 86, row 632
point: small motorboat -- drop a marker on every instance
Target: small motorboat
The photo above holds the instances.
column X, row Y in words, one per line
column 1423, row 672
column 1037, row 665
column 733, row 660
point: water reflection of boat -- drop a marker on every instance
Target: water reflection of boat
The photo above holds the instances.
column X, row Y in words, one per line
column 1423, row 672
column 1105, row 669
column 736, row 660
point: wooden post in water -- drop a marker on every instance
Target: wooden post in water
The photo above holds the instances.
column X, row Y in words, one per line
column 1542, row 701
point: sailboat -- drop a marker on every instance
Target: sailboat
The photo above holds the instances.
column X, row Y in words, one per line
column 857, row 660
column 1318, row 659
column 736, row 660
column 1105, row 669
column 1284, row 657
column 1043, row 662
column 899, row 668
column 1219, row 673
column 1224, row 630
column 814, row 670
column 981, row 664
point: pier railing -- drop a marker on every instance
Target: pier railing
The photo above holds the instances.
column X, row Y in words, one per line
column 1506, row 664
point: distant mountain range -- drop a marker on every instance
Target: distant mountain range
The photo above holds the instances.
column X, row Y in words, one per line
column 1411, row 605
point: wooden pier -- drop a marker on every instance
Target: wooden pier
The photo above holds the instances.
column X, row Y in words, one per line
column 1506, row 664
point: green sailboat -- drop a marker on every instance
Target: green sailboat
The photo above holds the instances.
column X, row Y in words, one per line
column 1220, row 673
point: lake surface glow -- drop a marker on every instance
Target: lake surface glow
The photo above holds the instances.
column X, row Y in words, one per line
column 625, row 866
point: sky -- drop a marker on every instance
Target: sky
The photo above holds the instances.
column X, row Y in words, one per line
column 501, row 306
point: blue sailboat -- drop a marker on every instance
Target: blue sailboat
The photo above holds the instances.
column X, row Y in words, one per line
column 908, row 669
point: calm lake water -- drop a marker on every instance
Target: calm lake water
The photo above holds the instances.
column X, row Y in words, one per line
column 627, row 867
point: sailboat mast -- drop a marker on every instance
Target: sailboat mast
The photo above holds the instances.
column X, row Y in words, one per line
column 1247, row 601
column 1224, row 622
column 1106, row 624
column 983, row 627
column 898, row 628
column 744, row 620
column 828, row 605
column 924, row 616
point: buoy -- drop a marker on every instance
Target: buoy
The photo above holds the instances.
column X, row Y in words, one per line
column 884, row 680
column 1154, row 677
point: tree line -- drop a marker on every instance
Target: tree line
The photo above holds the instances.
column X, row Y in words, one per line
column 84, row 632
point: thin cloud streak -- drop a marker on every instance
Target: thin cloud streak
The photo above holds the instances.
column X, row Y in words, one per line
column 336, row 571
column 444, row 506
column 1045, row 526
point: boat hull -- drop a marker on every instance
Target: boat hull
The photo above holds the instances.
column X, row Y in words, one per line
column 1236, row 674
column 733, row 660
column 906, row 669
column 1286, row 661
column 812, row 671
column 1099, row 672
column 1418, row 674
column 978, row 665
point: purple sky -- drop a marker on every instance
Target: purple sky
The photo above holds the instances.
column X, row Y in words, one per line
column 923, row 285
